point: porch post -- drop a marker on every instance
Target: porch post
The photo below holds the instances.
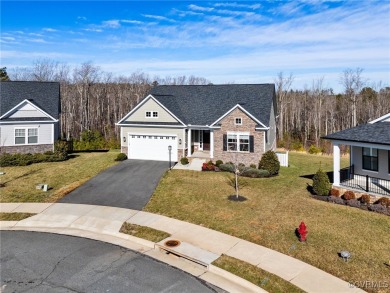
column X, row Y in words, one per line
column 336, row 165
column 189, row 143
column 211, row 144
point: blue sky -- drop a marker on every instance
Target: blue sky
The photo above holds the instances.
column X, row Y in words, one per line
column 224, row 41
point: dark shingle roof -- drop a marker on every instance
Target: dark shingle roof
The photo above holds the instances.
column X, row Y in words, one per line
column 378, row 133
column 45, row 95
column 152, row 123
column 203, row 104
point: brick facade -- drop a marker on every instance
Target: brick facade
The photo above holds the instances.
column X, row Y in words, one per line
column 25, row 149
column 248, row 125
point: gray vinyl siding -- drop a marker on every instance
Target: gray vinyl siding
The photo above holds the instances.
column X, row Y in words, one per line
column 151, row 106
column 383, row 167
column 27, row 111
column 8, row 133
column 153, row 130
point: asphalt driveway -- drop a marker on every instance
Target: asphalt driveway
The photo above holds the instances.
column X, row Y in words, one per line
column 129, row 184
column 42, row 262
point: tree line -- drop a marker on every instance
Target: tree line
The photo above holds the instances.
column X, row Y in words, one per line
column 92, row 99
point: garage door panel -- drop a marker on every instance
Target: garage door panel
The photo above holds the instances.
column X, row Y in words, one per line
column 152, row 147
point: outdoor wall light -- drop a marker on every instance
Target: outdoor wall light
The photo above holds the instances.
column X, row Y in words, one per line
column 124, row 139
column 180, row 141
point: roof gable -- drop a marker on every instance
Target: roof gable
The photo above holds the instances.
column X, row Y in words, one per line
column 26, row 110
column 384, row 118
column 203, row 104
column 149, row 104
column 43, row 95
column 243, row 110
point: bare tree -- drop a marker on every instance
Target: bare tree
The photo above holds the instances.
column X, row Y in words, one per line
column 283, row 85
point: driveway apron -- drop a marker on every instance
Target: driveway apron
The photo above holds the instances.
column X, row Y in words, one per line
column 130, row 184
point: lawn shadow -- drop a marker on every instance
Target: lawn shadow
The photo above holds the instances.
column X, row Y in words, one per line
column 235, row 198
column 90, row 151
column 73, row 156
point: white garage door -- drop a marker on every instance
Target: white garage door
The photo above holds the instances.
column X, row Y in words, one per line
column 152, row 147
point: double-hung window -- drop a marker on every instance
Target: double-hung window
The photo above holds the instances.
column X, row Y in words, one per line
column 26, row 135
column 238, row 142
column 20, row 136
column 370, row 159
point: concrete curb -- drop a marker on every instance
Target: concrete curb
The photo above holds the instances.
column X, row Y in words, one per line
column 226, row 280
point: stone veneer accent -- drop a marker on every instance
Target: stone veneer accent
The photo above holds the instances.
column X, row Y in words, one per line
column 25, row 149
column 248, row 125
column 125, row 150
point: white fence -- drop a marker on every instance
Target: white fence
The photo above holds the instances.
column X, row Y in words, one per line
column 283, row 159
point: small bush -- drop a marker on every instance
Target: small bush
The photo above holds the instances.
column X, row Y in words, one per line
column 378, row 208
column 353, row 203
column 384, row 201
column 7, row 160
column 314, row 150
column 218, row 162
column 321, row 183
column 348, row 195
column 336, row 199
column 208, row 167
column 210, row 163
column 254, row 173
column 184, row 161
column 335, row 192
column 269, row 161
column 365, row 199
column 227, row 168
column 121, row 157
column 61, row 149
column 297, row 146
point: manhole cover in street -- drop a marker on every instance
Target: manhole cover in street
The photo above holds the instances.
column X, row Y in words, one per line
column 172, row 243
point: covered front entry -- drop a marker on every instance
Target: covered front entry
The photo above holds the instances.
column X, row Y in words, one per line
column 153, row 147
column 200, row 140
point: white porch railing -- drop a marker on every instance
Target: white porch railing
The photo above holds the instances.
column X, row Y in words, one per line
column 283, row 159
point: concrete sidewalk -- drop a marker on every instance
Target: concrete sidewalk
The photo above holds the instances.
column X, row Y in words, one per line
column 200, row 244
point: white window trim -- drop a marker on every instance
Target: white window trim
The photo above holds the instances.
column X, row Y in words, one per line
column 26, row 135
column 151, row 114
column 238, row 134
column 235, row 121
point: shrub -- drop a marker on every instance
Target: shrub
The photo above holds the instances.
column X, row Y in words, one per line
column 365, row 199
column 121, row 157
column 254, row 173
column 210, row 163
column 297, row 146
column 378, row 208
column 384, row 201
column 208, row 167
column 28, row 159
column 184, row 161
column 353, row 203
column 269, row 161
column 314, row 150
column 335, row 192
column 321, row 183
column 227, row 167
column 348, row 195
column 336, row 199
column 218, row 162
column 61, row 148
column 90, row 140
column 253, row 166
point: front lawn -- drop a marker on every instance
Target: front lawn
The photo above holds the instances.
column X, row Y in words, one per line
column 274, row 208
column 62, row 177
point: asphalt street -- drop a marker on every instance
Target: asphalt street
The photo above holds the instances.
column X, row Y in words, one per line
column 129, row 184
column 42, row 262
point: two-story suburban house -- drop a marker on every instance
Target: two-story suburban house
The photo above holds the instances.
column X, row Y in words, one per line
column 29, row 116
column 233, row 122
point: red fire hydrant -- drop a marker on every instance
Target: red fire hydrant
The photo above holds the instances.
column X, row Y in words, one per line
column 302, row 231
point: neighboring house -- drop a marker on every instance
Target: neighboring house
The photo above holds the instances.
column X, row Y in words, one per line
column 234, row 122
column 369, row 157
column 29, row 116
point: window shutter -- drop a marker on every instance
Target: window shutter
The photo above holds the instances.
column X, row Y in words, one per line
column 251, row 144
column 225, row 142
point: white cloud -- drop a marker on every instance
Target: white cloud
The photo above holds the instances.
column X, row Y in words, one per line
column 97, row 30
column 50, row 30
column 200, row 8
column 236, row 5
column 113, row 23
column 131, row 21
column 36, row 40
column 158, row 17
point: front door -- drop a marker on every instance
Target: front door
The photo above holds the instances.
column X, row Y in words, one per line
column 206, row 140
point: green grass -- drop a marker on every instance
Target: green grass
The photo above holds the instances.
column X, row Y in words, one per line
column 62, row 177
column 14, row 216
column 143, row 232
column 269, row 282
column 273, row 210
